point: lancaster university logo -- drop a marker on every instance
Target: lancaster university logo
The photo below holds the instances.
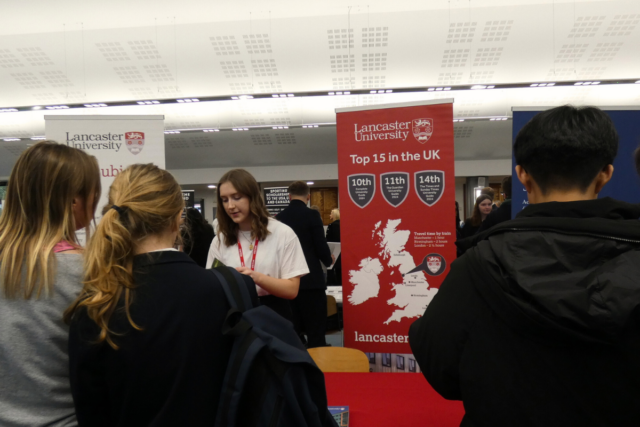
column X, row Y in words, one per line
column 135, row 141
column 434, row 263
column 422, row 129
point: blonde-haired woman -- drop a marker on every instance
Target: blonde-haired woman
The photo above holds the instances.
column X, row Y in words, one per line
column 146, row 346
column 256, row 245
column 52, row 192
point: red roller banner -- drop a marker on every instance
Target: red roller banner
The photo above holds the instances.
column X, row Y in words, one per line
column 397, row 217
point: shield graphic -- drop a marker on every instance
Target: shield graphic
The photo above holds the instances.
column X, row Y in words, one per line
column 362, row 187
column 433, row 263
column 394, row 187
column 422, row 129
column 429, row 186
column 134, row 141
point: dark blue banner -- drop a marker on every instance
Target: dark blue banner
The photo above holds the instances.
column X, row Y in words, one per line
column 625, row 184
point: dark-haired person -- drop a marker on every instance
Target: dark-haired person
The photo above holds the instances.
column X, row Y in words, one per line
column 197, row 236
column 255, row 244
column 310, row 306
column 503, row 213
column 146, row 345
column 481, row 209
column 53, row 192
column 539, row 324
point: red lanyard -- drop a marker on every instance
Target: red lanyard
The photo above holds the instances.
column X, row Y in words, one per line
column 255, row 251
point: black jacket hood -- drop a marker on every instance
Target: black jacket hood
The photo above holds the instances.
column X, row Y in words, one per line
column 563, row 271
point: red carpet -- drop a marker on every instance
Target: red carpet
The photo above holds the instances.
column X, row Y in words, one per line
column 385, row 399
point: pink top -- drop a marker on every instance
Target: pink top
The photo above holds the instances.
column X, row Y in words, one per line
column 62, row 246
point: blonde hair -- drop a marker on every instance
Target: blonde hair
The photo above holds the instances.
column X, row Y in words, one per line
column 38, row 214
column 245, row 184
column 144, row 200
column 336, row 213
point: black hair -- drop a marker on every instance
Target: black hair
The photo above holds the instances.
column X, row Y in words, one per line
column 299, row 189
column 506, row 187
column 565, row 147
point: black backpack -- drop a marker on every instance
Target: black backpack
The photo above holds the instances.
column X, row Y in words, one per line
column 271, row 380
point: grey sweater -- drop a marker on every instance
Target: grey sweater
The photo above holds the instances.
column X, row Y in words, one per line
column 34, row 366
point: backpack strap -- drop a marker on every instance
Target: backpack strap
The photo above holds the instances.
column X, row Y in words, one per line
column 235, row 288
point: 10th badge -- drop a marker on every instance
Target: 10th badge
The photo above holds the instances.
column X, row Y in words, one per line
column 429, row 186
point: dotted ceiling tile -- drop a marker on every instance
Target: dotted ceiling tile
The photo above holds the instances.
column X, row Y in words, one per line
column 375, row 37
column 342, row 63
column 225, row 45
column 261, row 139
column 144, row 49
column 35, row 56
column 201, row 142
column 285, row 138
column 481, row 76
column 142, row 92
column 462, row 131
column 241, row 88
column 159, row 73
column 255, row 122
column 340, row 38
column 374, row 62
column 56, row 78
column 113, row 52
column 461, row 32
column 571, row 52
column 496, row 31
column 604, row 52
column 562, row 73
column 488, row 56
column 129, row 75
column 28, row 80
column 234, row 69
column 373, row 82
column 257, row 43
column 592, row 72
column 46, row 98
column 586, row 26
column 450, row 78
column 622, row 25
column 264, row 67
column 9, row 60
column 169, row 90
column 340, row 83
column 273, row 86
column 455, row 58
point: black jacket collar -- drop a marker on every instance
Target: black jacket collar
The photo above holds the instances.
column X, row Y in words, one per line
column 604, row 217
column 162, row 257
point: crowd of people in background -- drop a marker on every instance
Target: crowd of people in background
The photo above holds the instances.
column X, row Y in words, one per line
column 538, row 323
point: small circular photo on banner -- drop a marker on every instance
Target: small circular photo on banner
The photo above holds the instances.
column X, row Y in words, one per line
column 434, row 264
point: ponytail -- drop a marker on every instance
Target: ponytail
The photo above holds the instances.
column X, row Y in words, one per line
column 144, row 200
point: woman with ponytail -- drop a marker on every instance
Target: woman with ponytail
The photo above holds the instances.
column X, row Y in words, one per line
column 145, row 345
column 52, row 193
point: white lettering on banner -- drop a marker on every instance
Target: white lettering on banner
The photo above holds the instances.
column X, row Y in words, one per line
column 86, row 141
column 391, row 158
column 380, row 131
column 381, row 338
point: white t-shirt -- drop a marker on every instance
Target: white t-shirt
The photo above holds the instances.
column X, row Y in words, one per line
column 279, row 255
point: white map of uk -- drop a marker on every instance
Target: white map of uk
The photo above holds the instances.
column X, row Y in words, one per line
column 412, row 292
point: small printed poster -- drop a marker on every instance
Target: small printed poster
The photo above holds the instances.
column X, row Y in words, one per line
column 276, row 199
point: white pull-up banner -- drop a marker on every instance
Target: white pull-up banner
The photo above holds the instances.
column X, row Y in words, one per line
column 116, row 141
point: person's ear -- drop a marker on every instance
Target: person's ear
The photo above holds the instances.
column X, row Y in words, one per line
column 308, row 197
column 603, row 177
column 290, row 197
column 528, row 183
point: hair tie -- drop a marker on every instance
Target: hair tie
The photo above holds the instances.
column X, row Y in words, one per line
column 118, row 209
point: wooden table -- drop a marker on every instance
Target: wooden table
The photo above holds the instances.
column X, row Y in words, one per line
column 386, row 399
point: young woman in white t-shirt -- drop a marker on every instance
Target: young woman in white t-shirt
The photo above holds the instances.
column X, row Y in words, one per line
column 256, row 245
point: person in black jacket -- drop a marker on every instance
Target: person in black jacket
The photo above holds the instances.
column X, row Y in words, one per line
column 503, row 213
column 334, row 276
column 310, row 306
column 539, row 323
column 146, row 345
column 197, row 236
